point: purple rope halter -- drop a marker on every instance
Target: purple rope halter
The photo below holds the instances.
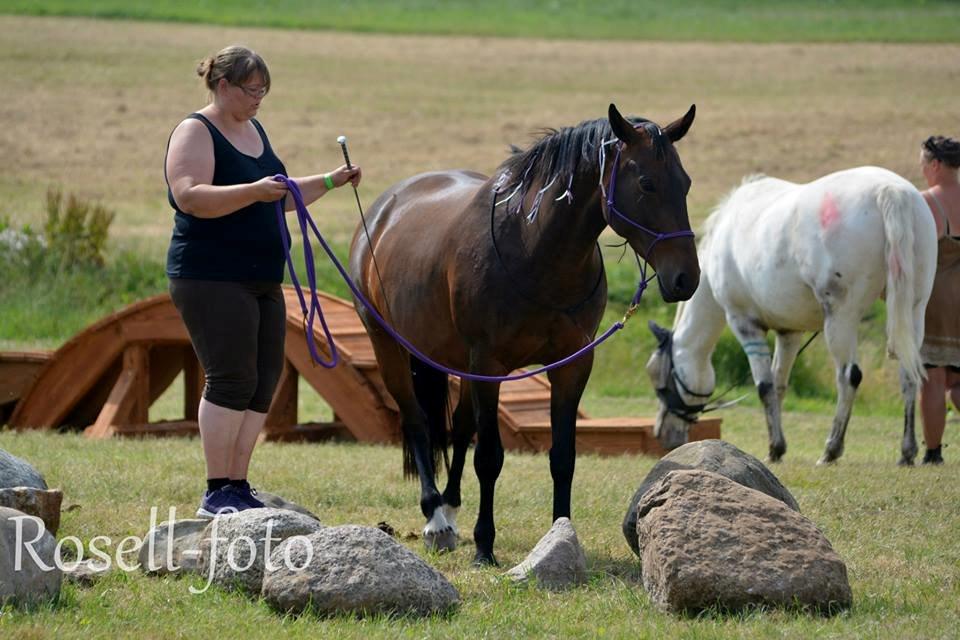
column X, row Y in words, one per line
column 305, row 221
column 657, row 236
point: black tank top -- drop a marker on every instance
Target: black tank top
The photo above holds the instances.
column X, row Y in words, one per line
column 242, row 246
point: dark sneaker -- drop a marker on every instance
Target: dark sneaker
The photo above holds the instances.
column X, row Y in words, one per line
column 223, row 501
column 933, row 456
column 249, row 495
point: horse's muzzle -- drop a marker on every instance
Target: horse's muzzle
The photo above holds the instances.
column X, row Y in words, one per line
column 679, row 285
column 670, row 431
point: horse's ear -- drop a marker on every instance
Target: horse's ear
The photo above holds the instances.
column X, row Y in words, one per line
column 662, row 335
column 677, row 129
column 621, row 128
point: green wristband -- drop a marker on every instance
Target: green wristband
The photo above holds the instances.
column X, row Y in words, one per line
column 328, row 181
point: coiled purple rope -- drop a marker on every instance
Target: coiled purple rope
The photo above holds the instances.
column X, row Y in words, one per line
column 314, row 309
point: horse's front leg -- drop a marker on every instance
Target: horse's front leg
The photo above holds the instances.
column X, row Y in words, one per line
column 908, row 446
column 567, row 385
column 753, row 339
column 487, row 461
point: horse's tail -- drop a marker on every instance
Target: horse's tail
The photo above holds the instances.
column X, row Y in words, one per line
column 899, row 208
column 432, row 390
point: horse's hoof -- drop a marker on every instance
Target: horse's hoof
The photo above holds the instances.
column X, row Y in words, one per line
column 439, row 535
column 826, row 459
column 440, row 541
column 483, row 559
column 776, row 452
column 450, row 513
column 906, row 462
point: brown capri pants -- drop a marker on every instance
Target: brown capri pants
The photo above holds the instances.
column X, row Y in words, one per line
column 237, row 330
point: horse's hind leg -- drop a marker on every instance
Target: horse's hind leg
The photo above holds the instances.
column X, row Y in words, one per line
column 431, row 389
column 395, row 369
column 908, row 389
column 908, row 446
column 753, row 339
column 463, row 429
column 840, row 331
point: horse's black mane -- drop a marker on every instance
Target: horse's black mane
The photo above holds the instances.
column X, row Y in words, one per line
column 560, row 155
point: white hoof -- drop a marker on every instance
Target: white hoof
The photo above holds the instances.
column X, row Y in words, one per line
column 439, row 535
column 450, row 513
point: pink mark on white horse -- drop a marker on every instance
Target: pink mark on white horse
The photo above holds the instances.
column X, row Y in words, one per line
column 829, row 212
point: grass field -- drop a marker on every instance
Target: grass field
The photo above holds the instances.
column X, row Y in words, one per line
column 92, row 115
column 895, row 528
column 88, row 108
column 716, row 20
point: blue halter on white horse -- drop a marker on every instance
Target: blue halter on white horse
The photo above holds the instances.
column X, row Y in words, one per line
column 801, row 257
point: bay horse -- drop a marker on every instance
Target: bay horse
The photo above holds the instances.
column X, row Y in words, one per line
column 801, row 257
column 490, row 274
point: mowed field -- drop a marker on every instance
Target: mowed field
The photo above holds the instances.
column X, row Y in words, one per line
column 88, row 107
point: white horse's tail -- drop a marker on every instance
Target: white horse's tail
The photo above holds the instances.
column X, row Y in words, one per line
column 898, row 205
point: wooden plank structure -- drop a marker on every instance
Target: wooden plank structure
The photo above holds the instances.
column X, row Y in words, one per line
column 106, row 377
column 18, row 370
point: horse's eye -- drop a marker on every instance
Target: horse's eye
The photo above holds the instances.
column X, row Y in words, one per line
column 646, row 185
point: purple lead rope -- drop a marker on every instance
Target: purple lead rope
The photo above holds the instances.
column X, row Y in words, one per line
column 304, row 220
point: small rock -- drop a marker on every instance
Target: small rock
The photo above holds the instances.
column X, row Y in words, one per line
column 36, row 580
column 238, row 558
column 710, row 542
column 173, row 546
column 709, row 455
column 353, row 569
column 557, row 561
column 15, row 472
column 45, row 504
column 86, row 572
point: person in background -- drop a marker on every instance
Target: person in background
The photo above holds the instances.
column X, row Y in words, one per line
column 939, row 162
column 225, row 263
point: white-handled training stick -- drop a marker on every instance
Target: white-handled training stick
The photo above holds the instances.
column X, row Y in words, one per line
column 342, row 141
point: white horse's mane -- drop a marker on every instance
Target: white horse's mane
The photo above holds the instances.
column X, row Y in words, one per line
column 714, row 213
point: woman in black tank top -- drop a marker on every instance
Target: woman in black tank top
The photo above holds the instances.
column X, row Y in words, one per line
column 225, row 263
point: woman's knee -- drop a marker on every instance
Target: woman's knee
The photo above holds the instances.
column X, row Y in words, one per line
column 236, row 393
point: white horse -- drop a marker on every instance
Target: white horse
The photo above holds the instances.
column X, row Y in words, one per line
column 794, row 258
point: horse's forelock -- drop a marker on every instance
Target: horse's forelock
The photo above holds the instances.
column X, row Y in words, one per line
column 657, row 139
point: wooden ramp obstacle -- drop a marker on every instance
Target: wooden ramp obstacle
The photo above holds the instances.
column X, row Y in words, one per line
column 106, row 377
column 18, row 370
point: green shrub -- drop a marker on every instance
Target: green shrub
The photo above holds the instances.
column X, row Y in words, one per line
column 76, row 231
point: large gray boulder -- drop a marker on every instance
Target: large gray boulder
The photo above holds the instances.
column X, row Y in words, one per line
column 353, row 569
column 557, row 562
column 710, row 542
column 30, row 583
column 234, row 549
column 709, row 455
column 15, row 472
column 45, row 504
column 173, row 546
